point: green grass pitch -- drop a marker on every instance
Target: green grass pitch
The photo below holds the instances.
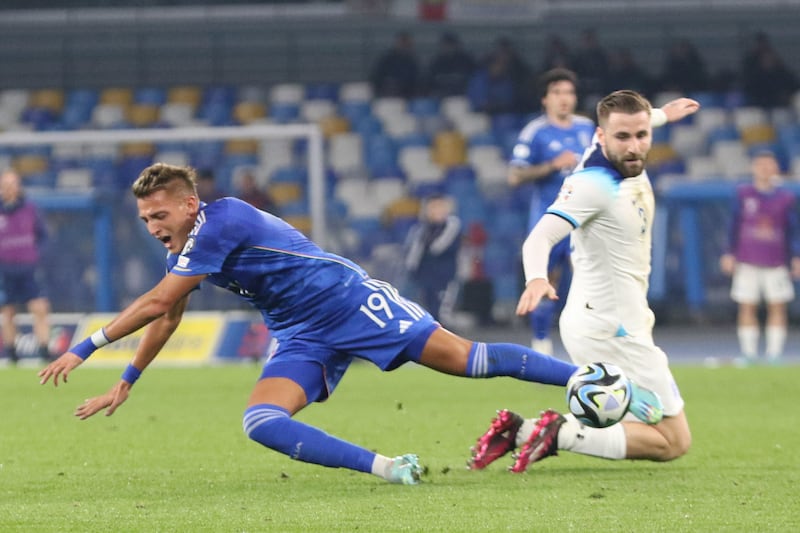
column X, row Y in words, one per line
column 174, row 458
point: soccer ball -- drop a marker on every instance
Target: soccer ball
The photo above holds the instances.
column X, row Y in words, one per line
column 599, row 394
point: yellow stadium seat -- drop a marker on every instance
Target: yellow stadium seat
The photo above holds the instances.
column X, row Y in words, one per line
column 449, row 149
column 25, row 165
column 137, row 149
column 406, row 207
column 334, row 125
column 757, row 134
column 301, row 222
column 241, row 146
column 52, row 99
column 284, row 193
column 142, row 115
column 660, row 153
column 186, row 94
column 121, row 96
column 248, row 112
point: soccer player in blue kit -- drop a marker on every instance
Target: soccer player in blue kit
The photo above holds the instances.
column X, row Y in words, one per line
column 547, row 150
column 322, row 309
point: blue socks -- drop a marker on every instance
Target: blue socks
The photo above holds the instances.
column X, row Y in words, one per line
column 516, row 361
column 272, row 426
column 542, row 318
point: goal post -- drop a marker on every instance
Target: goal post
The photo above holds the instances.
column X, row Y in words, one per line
column 103, row 234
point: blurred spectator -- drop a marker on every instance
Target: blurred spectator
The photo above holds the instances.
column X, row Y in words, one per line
column 626, row 73
column 22, row 233
column 248, row 190
column 684, row 69
column 590, row 63
column 556, row 54
column 764, row 241
column 396, row 73
column 207, row 187
column 433, row 245
column 496, row 87
column 450, row 69
column 766, row 80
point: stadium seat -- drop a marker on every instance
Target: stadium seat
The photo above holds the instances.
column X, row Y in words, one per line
column 248, row 112
column 241, row 147
column 758, row 134
column 346, row 153
column 744, row 117
column 289, row 174
column 333, row 125
column 423, row 107
column 709, row 119
column 357, row 91
column 51, row 99
column 142, row 115
column 472, row 124
column 285, row 192
column 177, row 114
column 26, row 165
column 688, row 140
column 74, row 179
column 155, row 96
column 388, row 108
column 400, row 125
column 301, row 222
column 186, row 94
column 449, row 149
column 283, row 112
column 316, row 110
column 453, row 107
column 119, row 96
column 354, row 110
column 108, row 115
column 322, row 91
column 699, row 168
column 287, row 93
column 418, row 166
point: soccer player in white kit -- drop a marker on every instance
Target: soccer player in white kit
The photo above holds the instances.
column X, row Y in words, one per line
column 607, row 206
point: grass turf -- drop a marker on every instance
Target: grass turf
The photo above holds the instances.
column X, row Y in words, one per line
column 174, row 458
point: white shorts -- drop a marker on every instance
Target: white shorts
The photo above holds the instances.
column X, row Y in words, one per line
column 641, row 360
column 751, row 284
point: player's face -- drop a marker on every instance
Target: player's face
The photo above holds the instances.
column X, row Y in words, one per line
column 764, row 168
column 9, row 187
column 169, row 217
column 560, row 100
column 626, row 140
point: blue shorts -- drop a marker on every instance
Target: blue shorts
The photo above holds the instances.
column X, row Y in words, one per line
column 376, row 325
column 19, row 288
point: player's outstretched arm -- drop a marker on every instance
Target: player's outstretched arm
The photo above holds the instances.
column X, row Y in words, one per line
column 61, row 367
column 535, row 290
column 675, row 110
column 112, row 399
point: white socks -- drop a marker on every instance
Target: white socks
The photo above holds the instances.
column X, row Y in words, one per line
column 748, row 341
column 608, row 443
column 776, row 339
column 381, row 466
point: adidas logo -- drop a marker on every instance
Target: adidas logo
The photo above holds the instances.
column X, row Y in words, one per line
column 404, row 325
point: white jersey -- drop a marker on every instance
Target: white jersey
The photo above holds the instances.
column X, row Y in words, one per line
column 612, row 217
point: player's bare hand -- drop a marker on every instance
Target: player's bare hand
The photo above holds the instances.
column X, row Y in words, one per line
column 727, row 263
column 534, row 291
column 61, row 367
column 109, row 401
column 680, row 108
column 565, row 160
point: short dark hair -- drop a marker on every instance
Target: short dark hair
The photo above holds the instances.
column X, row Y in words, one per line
column 555, row 75
column 162, row 176
column 624, row 101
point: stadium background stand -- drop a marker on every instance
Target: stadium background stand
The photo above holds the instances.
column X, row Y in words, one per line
column 383, row 154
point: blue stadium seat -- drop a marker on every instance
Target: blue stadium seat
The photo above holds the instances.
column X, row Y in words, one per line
column 291, row 174
column 354, row 111
column 150, row 95
column 284, row 112
column 322, row 91
column 485, row 138
column 423, row 107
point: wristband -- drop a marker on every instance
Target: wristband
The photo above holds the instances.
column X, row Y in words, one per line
column 131, row 374
column 87, row 346
column 657, row 117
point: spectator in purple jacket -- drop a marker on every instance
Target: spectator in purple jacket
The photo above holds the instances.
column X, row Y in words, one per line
column 22, row 233
column 764, row 245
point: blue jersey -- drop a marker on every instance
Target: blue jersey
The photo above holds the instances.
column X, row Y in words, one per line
column 541, row 141
column 320, row 307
